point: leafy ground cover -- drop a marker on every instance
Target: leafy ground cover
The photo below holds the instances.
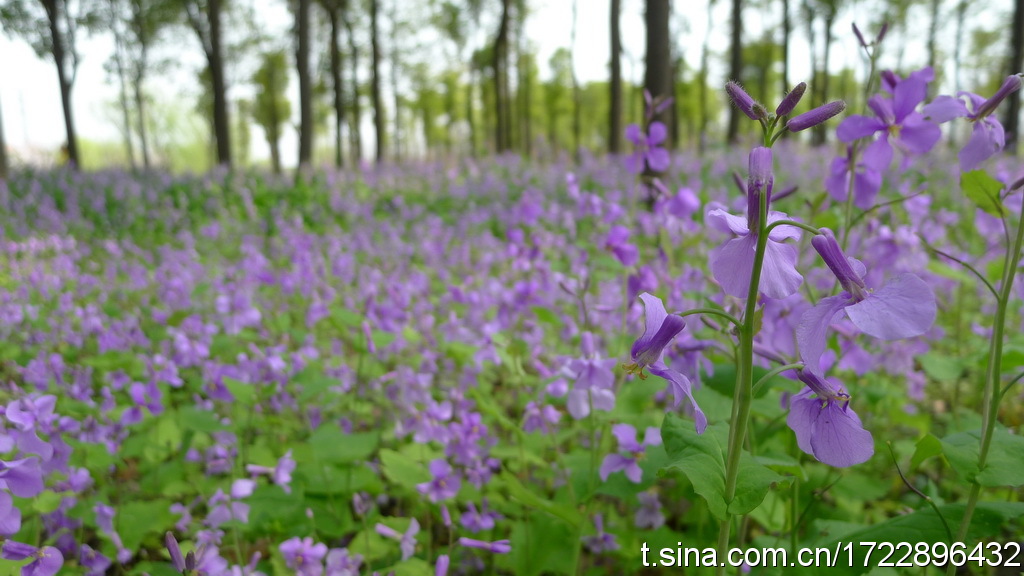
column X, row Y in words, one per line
column 415, row 369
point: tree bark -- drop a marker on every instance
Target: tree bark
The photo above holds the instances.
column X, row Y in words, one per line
column 339, row 94
column 54, row 12
column 356, row 118
column 470, row 117
column 615, row 86
column 221, row 122
column 502, row 132
column 305, row 84
column 138, row 78
column 658, row 73
column 378, row 111
column 735, row 65
column 577, row 121
column 115, row 21
column 397, row 149
column 1011, row 119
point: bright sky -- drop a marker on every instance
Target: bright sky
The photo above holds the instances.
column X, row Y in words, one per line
column 32, row 116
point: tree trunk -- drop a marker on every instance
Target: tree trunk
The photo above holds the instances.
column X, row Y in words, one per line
column 658, row 73
column 470, row 118
column 785, row 47
column 503, row 140
column 378, row 111
column 704, row 85
column 305, row 84
column 66, row 81
column 735, row 65
column 356, row 118
column 615, row 97
column 138, row 79
column 140, row 121
column 122, row 83
column 221, row 122
column 821, row 130
column 576, row 108
column 397, row 150
column 339, row 94
column 1011, row 120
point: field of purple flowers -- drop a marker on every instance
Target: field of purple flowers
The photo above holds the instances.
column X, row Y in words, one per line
column 440, row 369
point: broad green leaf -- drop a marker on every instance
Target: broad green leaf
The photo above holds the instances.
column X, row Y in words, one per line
column 243, row 392
column 701, row 458
column 331, row 445
column 983, row 190
column 402, row 470
column 46, row 502
column 941, row 367
column 411, row 567
column 197, row 420
column 547, row 316
column 538, row 547
column 927, row 447
column 1005, row 463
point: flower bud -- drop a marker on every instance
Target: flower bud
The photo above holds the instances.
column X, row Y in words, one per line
column 816, row 116
column 791, row 100
column 860, row 37
column 759, row 181
column 1010, row 85
column 742, row 100
column 881, row 33
column 828, row 248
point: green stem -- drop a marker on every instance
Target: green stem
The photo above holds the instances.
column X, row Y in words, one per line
column 793, row 223
column 775, row 372
column 993, row 392
column 713, row 311
column 743, row 394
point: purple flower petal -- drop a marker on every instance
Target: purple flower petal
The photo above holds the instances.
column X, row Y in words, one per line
column 656, row 133
column 918, row 135
column 857, row 126
column 731, row 264
column 987, row 139
column 10, row 516
column 725, row 222
column 681, row 387
column 626, row 435
column 903, row 308
column 907, row 95
column 613, row 463
column 812, row 332
column 659, row 330
column 838, row 438
column 944, row 108
column 634, row 134
column 802, row 412
column 658, row 159
column 779, row 277
column 633, row 472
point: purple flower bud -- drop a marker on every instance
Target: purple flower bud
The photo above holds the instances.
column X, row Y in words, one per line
column 816, row 116
column 827, row 246
column 175, row 551
column 860, row 37
column 791, row 100
column 742, row 100
column 441, row 568
column 1010, row 85
column 498, row 547
column 759, row 181
column 881, row 33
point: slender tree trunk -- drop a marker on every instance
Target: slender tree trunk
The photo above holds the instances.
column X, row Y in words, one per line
column 339, row 93
column 122, row 83
column 470, row 116
column 785, row 47
column 577, row 121
column 138, row 78
column 221, row 122
column 503, row 140
column 356, row 118
column 615, row 86
column 378, row 104
column 820, row 131
column 658, row 72
column 704, row 82
column 305, row 84
column 395, row 61
column 140, row 119
column 1011, row 120
column 735, row 65
column 66, row 78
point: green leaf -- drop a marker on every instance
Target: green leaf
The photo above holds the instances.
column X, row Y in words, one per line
column 46, row 502
column 331, row 445
column 527, row 498
column 411, row 567
column 243, row 392
column 927, row 447
column 547, row 316
column 1005, row 463
column 701, row 458
column 983, row 190
column 942, row 367
column 537, row 547
column 198, row 420
column 137, row 519
column 402, row 470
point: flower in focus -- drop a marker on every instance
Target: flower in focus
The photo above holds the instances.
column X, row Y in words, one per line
column 903, row 308
column 896, row 118
column 630, row 450
column 444, row 485
column 987, row 137
column 659, row 330
column 732, row 263
column 825, row 425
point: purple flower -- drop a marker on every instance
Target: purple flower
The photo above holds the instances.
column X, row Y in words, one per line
column 94, row 560
column 407, row 541
column 745, row 102
column 594, row 381
column 602, row 541
column 441, row 567
column 649, row 152
column 630, row 450
column 648, row 515
column 540, row 417
column 618, row 243
column 498, row 547
column 47, row 560
column 825, row 425
column 340, row 563
column 790, row 101
column 903, row 308
column 10, row 516
column 987, row 137
column 660, row 329
column 867, row 177
column 479, row 521
column 445, row 484
column 303, row 556
column 896, row 118
column 22, row 477
column 815, row 116
column 280, row 474
column 732, row 263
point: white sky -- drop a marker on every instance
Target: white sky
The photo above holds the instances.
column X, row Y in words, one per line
column 32, row 114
